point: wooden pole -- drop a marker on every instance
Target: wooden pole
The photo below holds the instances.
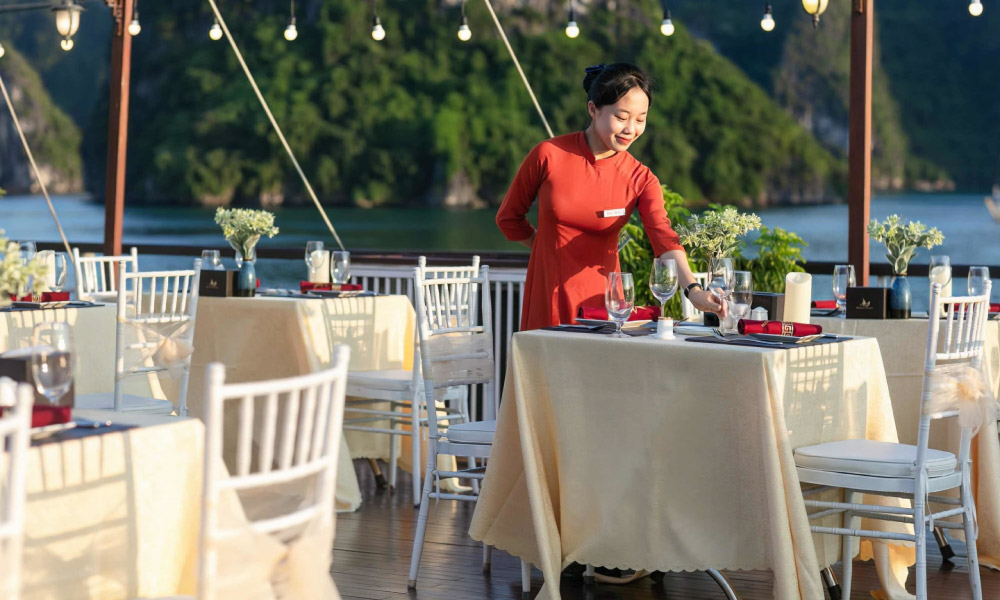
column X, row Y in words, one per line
column 121, row 66
column 860, row 144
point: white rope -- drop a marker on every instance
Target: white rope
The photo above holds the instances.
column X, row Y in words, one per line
column 34, row 167
column 274, row 123
column 517, row 64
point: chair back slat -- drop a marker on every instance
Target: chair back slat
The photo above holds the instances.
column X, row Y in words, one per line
column 96, row 275
column 15, row 423
column 151, row 299
column 454, row 348
column 962, row 340
column 318, row 395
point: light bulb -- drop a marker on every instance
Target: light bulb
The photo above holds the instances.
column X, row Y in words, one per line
column 767, row 21
column 975, row 8
column 291, row 33
column 66, row 44
column 215, row 32
column 134, row 27
column 572, row 29
column 378, row 32
column 2, row 50
column 667, row 27
column 464, row 33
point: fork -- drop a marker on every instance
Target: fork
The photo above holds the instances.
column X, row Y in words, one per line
column 721, row 336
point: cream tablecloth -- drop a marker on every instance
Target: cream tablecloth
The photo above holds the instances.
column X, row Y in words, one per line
column 266, row 338
column 903, row 344
column 93, row 330
column 672, row 456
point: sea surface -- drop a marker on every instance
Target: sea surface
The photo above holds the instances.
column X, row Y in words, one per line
column 971, row 235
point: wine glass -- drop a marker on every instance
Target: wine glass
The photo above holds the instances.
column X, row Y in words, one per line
column 978, row 276
column 28, row 251
column 663, row 281
column 843, row 278
column 619, row 299
column 211, row 260
column 340, row 266
column 742, row 298
column 312, row 254
column 624, row 239
column 56, row 277
column 52, row 360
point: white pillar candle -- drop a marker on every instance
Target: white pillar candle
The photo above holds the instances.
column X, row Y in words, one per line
column 48, row 258
column 320, row 270
column 798, row 297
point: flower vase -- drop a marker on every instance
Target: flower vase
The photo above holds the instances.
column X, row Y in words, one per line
column 246, row 257
column 900, row 298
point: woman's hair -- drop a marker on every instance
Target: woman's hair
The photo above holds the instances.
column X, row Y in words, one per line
column 606, row 84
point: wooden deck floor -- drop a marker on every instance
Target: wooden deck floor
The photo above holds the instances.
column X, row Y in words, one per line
column 372, row 556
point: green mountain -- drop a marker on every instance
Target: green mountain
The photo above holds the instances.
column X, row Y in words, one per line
column 422, row 118
column 51, row 134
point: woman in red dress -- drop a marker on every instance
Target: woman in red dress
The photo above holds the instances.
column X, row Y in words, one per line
column 587, row 185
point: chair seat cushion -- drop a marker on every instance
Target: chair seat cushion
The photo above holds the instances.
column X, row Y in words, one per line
column 130, row 403
column 476, row 432
column 398, row 380
column 868, row 457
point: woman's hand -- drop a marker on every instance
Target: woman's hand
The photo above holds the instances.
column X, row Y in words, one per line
column 706, row 301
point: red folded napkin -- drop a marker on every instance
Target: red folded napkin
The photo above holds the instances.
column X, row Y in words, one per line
column 994, row 307
column 47, row 297
column 639, row 313
column 824, row 304
column 43, row 414
column 305, row 286
column 746, row 327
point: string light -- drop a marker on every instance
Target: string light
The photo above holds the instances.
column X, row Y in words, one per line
column 667, row 26
column 378, row 32
column 216, row 31
column 572, row 29
column 134, row 27
column 291, row 32
column 767, row 21
column 975, row 8
column 464, row 33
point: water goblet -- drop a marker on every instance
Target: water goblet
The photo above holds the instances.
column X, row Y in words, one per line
column 52, row 360
column 55, row 276
column 978, row 276
column 28, row 251
column 211, row 260
column 313, row 249
column 843, row 278
column 741, row 299
column 663, row 285
column 340, row 266
column 619, row 299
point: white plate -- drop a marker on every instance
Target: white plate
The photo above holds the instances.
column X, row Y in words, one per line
column 627, row 325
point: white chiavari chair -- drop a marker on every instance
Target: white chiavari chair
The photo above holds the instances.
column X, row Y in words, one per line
column 96, row 275
column 154, row 333
column 370, row 391
column 288, row 443
column 916, row 473
column 454, row 351
column 16, row 400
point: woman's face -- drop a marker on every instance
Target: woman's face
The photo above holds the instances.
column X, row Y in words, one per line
column 618, row 125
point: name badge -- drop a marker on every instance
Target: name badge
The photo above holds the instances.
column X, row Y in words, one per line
column 614, row 212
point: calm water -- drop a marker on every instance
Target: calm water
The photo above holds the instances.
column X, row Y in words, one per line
column 971, row 236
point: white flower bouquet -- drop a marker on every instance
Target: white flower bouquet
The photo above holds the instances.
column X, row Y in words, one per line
column 17, row 276
column 243, row 227
column 902, row 240
column 716, row 233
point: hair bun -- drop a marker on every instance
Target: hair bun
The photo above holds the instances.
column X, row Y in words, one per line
column 593, row 72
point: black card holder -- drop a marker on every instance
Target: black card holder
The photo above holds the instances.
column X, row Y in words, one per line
column 218, row 283
column 868, row 303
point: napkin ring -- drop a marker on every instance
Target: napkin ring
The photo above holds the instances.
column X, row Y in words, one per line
column 787, row 328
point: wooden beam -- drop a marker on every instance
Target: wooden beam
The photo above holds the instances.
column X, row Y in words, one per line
column 121, row 66
column 860, row 144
